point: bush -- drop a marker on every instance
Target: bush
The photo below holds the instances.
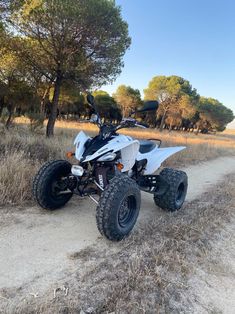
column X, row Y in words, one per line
column 36, row 120
column 4, row 116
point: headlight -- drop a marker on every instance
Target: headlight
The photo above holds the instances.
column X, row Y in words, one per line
column 107, row 157
column 77, row 171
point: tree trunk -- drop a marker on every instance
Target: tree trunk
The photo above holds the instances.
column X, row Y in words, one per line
column 54, row 107
column 162, row 121
column 43, row 101
column 8, row 122
column 197, row 130
column 1, row 105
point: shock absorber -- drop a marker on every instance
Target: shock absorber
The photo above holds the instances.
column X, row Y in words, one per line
column 101, row 175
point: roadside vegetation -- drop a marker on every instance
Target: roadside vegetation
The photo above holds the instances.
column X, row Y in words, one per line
column 22, row 152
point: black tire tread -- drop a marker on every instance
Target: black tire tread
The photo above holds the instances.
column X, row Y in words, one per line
column 110, row 196
column 172, row 177
column 44, row 172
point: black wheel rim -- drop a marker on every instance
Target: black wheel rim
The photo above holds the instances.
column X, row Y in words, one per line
column 58, row 186
column 126, row 212
column 180, row 194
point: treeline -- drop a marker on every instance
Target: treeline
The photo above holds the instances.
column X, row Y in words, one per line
column 180, row 106
column 51, row 52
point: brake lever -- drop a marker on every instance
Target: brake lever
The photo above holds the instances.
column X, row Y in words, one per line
column 128, row 120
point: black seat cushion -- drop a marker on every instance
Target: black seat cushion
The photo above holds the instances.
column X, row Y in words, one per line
column 146, row 146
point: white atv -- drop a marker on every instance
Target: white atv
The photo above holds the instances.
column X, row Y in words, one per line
column 112, row 168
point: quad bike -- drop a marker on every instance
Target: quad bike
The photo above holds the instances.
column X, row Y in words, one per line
column 111, row 169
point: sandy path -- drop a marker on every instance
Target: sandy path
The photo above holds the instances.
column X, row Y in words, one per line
column 34, row 245
column 214, row 285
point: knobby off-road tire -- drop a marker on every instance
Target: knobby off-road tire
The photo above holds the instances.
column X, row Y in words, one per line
column 118, row 208
column 174, row 197
column 45, row 181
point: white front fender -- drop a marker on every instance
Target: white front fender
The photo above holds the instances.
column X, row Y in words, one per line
column 156, row 157
column 79, row 143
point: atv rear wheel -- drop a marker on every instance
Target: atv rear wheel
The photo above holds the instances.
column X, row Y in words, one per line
column 174, row 197
column 50, row 187
column 118, row 208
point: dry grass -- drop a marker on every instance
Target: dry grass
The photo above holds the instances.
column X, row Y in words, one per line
column 225, row 139
column 22, row 152
column 16, row 173
column 230, row 132
column 150, row 271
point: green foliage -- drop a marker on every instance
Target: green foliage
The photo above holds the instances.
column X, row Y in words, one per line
column 107, row 107
column 15, row 89
column 71, row 101
column 85, row 40
column 100, row 92
column 176, row 97
column 172, row 87
column 36, row 120
column 127, row 98
column 214, row 113
column 81, row 41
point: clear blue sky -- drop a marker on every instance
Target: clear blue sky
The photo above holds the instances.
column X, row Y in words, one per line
column 194, row 39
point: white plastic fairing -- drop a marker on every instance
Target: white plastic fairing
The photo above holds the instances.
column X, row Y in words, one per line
column 79, row 142
column 129, row 149
column 119, row 143
column 156, row 157
column 128, row 154
column 107, row 157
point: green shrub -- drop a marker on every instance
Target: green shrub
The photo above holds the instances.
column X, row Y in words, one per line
column 36, row 120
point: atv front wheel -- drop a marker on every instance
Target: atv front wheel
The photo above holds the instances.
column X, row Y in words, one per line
column 174, row 197
column 50, row 187
column 118, row 208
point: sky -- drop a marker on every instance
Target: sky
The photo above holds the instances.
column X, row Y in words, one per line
column 194, row 39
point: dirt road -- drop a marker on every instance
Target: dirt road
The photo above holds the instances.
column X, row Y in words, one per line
column 35, row 245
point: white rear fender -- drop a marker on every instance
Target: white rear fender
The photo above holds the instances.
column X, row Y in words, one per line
column 156, row 157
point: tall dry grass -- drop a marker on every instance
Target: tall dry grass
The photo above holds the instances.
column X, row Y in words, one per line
column 21, row 155
column 23, row 152
column 16, row 174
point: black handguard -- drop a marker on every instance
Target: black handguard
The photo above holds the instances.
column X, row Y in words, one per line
column 130, row 122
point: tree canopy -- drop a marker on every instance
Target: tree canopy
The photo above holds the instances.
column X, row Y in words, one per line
column 214, row 113
column 172, row 92
column 127, row 98
column 107, row 107
column 82, row 41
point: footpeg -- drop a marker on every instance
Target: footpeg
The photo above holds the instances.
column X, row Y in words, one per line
column 154, row 184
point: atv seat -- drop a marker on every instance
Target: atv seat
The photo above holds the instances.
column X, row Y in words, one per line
column 146, row 146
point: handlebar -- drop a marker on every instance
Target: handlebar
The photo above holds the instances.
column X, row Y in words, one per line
column 107, row 130
column 131, row 123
